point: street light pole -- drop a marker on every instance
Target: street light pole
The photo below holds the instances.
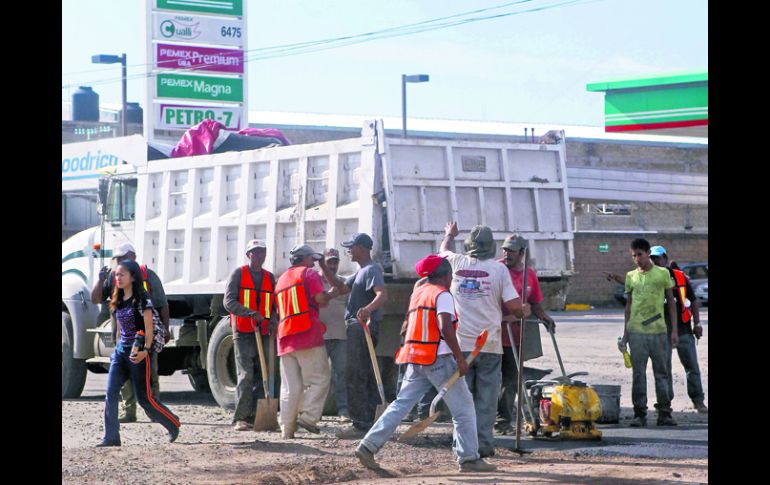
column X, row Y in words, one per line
column 124, row 114
column 415, row 78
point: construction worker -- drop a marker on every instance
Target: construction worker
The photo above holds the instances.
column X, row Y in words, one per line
column 249, row 297
column 514, row 248
column 335, row 338
column 687, row 315
column 647, row 288
column 432, row 355
column 480, row 286
column 367, row 295
column 305, row 374
column 102, row 292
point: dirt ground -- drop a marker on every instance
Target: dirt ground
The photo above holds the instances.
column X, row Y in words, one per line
column 208, row 451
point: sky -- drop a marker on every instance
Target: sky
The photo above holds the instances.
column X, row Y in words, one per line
column 527, row 67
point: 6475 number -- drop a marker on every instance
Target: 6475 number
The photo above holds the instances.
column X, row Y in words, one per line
column 234, row 32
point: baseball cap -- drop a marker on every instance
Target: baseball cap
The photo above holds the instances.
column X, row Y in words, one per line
column 331, row 253
column 255, row 243
column 428, row 264
column 515, row 243
column 305, row 250
column 361, row 239
column 123, row 249
column 657, row 251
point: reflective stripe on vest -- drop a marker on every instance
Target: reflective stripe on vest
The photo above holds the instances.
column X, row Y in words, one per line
column 681, row 286
column 423, row 335
column 249, row 296
column 147, row 287
column 293, row 307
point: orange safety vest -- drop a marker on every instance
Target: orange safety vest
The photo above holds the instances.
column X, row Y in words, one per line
column 293, row 305
column 249, row 298
column 422, row 336
column 681, row 286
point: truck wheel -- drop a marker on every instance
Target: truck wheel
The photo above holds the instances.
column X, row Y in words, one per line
column 73, row 371
column 220, row 364
column 199, row 380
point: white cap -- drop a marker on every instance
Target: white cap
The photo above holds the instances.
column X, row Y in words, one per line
column 123, row 249
column 255, row 243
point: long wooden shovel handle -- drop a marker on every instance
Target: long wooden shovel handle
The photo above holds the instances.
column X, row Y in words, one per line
column 262, row 365
column 373, row 357
column 480, row 341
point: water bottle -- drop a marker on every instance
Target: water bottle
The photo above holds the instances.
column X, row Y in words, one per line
column 138, row 342
column 626, row 355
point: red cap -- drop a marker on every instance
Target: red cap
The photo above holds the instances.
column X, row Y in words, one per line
column 428, row 264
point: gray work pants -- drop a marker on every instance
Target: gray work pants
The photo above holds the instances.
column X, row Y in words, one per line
column 643, row 348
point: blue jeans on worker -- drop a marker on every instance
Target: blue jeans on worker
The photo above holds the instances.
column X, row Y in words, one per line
column 338, row 354
column 688, row 356
column 652, row 347
column 484, row 378
column 417, row 380
column 121, row 370
column 363, row 396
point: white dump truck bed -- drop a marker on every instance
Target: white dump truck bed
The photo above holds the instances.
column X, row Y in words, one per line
column 194, row 215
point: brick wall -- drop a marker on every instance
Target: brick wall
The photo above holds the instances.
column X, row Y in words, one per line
column 589, row 285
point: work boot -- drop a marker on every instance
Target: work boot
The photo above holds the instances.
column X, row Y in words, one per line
column 638, row 422
column 701, row 408
column 127, row 417
column 477, row 466
column 665, row 419
column 366, row 457
column 308, row 426
column 504, row 428
column 242, row 425
column 350, row 433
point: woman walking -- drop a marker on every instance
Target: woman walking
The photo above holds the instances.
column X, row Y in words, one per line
column 133, row 312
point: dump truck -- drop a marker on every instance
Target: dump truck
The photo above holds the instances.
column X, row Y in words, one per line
column 190, row 218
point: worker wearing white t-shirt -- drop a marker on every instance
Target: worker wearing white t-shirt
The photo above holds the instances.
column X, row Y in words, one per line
column 480, row 286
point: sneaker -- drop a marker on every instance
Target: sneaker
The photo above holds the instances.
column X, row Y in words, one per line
column 638, row 422
column 505, row 428
column 666, row 420
column 701, row 408
column 477, row 466
column 308, row 426
column 104, row 444
column 344, row 418
column 242, row 425
column 366, row 457
column 127, row 418
column 350, row 433
column 173, row 435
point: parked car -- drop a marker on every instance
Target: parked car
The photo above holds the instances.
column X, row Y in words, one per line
column 699, row 279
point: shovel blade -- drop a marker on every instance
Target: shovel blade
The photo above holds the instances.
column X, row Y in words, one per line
column 418, row 427
column 267, row 415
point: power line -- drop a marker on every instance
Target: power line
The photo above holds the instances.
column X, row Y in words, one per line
column 286, row 50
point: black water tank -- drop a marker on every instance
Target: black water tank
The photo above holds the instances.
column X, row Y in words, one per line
column 134, row 113
column 85, row 104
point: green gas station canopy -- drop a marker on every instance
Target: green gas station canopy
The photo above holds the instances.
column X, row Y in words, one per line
column 667, row 104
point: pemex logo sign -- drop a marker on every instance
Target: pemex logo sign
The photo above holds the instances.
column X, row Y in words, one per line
column 198, row 29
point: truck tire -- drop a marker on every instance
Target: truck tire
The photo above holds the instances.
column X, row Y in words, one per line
column 73, row 371
column 220, row 364
column 199, row 380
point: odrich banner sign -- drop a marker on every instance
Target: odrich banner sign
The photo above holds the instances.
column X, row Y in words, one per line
column 207, row 88
column 198, row 29
column 213, row 59
column 182, row 117
column 83, row 163
column 219, row 7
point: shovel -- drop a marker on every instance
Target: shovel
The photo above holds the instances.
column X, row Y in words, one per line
column 267, row 409
column 522, row 390
column 384, row 404
column 421, row 425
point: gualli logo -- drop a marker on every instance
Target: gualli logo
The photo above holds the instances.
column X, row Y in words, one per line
column 179, row 30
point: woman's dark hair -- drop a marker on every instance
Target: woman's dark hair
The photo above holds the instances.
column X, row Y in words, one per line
column 139, row 297
column 444, row 268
